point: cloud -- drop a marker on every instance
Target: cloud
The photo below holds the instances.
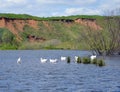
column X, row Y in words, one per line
column 105, row 5
column 16, row 1
column 78, row 11
column 58, row 7
column 4, row 4
column 84, row 2
column 50, row 1
column 66, row 2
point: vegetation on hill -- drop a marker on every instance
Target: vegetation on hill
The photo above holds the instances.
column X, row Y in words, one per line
column 19, row 16
column 58, row 35
column 26, row 16
column 7, row 39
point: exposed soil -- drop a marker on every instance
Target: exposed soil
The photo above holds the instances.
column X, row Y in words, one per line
column 88, row 22
column 17, row 25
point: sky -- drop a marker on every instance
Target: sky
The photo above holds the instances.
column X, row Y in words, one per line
column 47, row 8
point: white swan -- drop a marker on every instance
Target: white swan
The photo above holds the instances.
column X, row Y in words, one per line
column 53, row 60
column 43, row 60
column 19, row 60
column 76, row 58
column 63, row 58
column 93, row 57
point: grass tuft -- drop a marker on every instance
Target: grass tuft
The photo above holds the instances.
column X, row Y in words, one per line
column 86, row 60
column 94, row 61
column 68, row 60
column 100, row 63
column 79, row 60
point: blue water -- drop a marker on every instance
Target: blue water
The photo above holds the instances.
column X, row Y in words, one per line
column 34, row 76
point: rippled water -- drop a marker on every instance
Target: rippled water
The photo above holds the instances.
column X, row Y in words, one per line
column 34, row 76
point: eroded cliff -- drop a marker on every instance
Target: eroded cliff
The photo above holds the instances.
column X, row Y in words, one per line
column 17, row 25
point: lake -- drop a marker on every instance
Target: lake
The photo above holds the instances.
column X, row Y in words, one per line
column 33, row 76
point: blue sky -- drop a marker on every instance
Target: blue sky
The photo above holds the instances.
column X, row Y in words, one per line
column 45, row 8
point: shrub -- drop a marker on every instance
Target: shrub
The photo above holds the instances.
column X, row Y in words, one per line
column 100, row 63
column 94, row 61
column 68, row 60
column 86, row 60
column 79, row 60
column 6, row 36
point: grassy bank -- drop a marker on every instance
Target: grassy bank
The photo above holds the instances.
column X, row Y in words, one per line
column 26, row 16
column 58, row 34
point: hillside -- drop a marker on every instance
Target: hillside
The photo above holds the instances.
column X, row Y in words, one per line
column 22, row 31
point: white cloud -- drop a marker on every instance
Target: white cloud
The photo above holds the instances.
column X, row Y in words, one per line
column 16, row 1
column 58, row 7
column 51, row 1
column 11, row 3
column 105, row 5
column 78, row 11
column 84, row 2
column 67, row 2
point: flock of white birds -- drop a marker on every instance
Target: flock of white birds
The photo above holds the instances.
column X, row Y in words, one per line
column 44, row 60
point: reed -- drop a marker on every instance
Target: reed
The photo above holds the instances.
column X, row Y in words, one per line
column 100, row 63
column 68, row 59
column 86, row 60
column 94, row 61
column 79, row 60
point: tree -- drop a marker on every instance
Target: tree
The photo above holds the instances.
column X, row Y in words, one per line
column 105, row 41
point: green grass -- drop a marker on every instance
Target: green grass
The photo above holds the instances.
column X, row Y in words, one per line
column 100, row 63
column 94, row 61
column 58, row 35
column 86, row 60
column 8, row 47
column 26, row 16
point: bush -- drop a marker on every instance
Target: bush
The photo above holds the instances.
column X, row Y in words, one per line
column 68, row 60
column 6, row 36
column 94, row 61
column 86, row 60
column 100, row 63
column 79, row 60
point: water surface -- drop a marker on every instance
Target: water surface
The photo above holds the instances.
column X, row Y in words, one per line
column 34, row 76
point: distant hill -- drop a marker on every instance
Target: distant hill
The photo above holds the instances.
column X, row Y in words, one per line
column 23, row 31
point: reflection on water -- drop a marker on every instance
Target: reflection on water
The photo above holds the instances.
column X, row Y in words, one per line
column 33, row 76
